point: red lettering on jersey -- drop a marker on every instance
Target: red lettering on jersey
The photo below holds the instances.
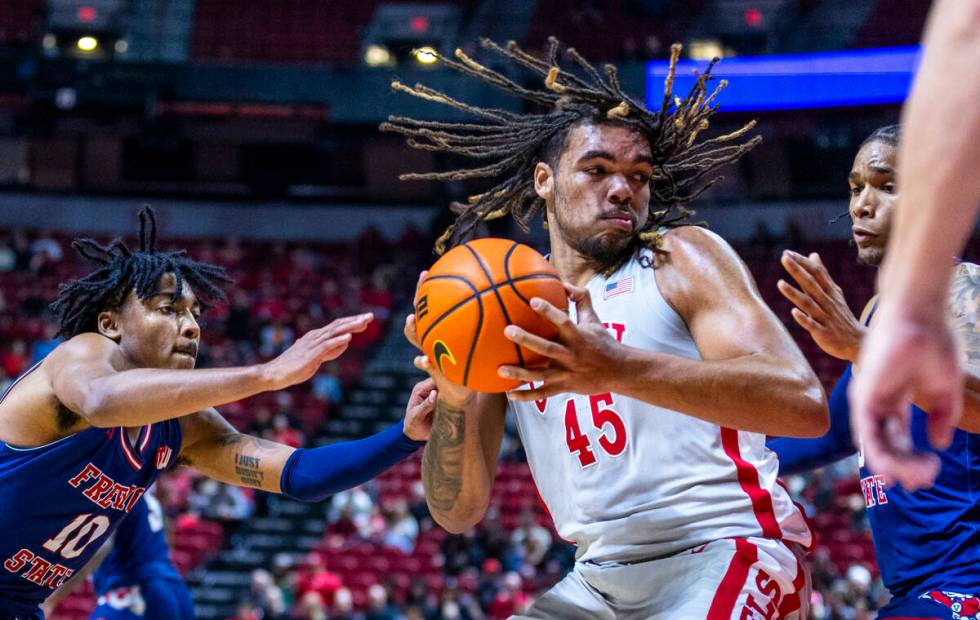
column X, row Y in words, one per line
column 17, row 561
column 58, row 575
column 134, row 497
column 767, row 585
column 38, row 570
column 868, row 489
column 64, row 577
column 115, row 497
column 751, row 610
column 540, row 404
column 880, row 487
column 90, row 471
column 103, row 484
column 618, row 330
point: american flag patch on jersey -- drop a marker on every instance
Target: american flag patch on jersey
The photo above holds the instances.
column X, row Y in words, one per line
column 618, row 288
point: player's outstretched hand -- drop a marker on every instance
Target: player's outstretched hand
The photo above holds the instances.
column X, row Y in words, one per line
column 820, row 306
column 418, row 412
column 584, row 360
column 452, row 392
column 301, row 361
column 901, row 357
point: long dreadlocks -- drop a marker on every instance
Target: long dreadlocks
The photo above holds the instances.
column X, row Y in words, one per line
column 513, row 143
column 122, row 270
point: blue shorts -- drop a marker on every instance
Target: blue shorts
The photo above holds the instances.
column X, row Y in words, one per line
column 158, row 599
column 938, row 605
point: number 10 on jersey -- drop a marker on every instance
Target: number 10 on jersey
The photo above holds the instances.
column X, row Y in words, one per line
column 604, row 419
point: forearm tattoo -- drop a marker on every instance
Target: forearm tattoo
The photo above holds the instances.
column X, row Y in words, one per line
column 964, row 301
column 442, row 462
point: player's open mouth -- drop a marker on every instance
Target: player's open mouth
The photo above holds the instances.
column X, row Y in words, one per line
column 188, row 351
column 862, row 235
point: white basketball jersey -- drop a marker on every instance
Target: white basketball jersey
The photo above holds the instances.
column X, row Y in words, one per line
column 626, row 480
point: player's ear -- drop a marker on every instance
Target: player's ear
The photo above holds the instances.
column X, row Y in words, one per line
column 544, row 180
column 108, row 324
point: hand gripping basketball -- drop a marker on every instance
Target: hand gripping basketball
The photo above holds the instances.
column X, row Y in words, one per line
column 585, row 360
column 446, row 389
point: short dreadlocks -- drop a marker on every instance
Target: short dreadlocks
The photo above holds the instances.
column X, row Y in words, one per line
column 122, row 270
column 513, row 143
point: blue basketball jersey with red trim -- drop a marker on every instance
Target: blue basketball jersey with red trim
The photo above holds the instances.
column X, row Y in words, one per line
column 59, row 502
column 139, row 551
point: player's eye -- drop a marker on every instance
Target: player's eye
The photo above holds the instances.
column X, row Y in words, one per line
column 889, row 188
column 855, row 190
column 595, row 171
column 166, row 309
column 642, row 177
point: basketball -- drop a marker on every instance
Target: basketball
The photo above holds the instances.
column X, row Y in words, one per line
column 467, row 299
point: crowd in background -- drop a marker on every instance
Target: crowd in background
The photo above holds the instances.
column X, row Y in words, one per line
column 489, row 572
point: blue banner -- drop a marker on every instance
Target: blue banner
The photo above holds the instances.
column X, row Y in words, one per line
column 797, row 81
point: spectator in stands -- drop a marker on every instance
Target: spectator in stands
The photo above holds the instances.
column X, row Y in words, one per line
column 343, row 606
column 264, row 595
column 275, row 338
column 46, row 252
column 353, row 506
column 284, row 432
column 312, row 607
column 327, row 386
column 222, row 502
column 510, row 599
column 317, row 579
column 401, row 528
column 379, row 605
column 14, row 361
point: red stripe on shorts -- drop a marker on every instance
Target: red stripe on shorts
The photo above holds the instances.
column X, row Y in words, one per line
column 792, row 603
column 732, row 584
column 748, row 477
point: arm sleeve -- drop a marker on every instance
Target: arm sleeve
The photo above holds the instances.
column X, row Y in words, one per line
column 800, row 455
column 314, row 474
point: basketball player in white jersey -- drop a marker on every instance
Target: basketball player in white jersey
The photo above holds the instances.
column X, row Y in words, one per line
column 646, row 434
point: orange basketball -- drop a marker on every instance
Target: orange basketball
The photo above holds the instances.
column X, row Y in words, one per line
column 467, row 299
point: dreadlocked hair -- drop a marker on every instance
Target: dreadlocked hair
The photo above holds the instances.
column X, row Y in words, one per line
column 122, row 270
column 511, row 144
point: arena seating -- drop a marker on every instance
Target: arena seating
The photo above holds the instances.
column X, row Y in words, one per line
column 289, row 31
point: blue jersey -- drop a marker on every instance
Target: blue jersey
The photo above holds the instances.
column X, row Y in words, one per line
column 59, row 502
column 139, row 551
column 924, row 540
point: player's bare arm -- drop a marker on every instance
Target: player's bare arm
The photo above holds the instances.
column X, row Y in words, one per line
column 91, row 377
column 964, row 305
column 822, row 310
column 752, row 376
column 216, row 449
column 460, row 459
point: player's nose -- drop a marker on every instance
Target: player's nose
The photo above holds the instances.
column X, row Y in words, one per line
column 620, row 191
column 189, row 327
column 865, row 204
